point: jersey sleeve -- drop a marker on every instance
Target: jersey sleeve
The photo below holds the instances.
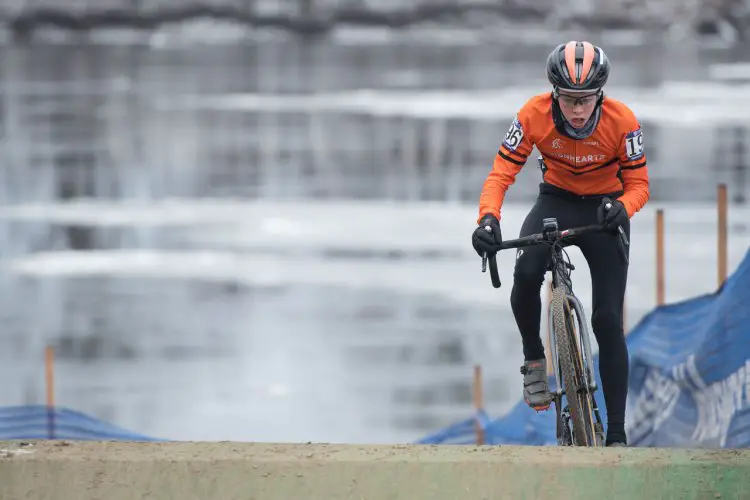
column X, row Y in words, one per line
column 633, row 168
column 509, row 160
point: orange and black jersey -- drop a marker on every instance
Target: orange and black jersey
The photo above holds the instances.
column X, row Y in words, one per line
column 610, row 160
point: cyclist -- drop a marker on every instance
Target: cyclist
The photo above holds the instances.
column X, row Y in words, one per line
column 591, row 147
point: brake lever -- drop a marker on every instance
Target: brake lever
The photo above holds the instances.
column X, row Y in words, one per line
column 624, row 243
column 494, row 275
column 623, row 237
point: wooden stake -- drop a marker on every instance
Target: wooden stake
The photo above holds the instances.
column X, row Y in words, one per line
column 660, row 257
column 49, row 370
column 478, row 403
column 722, row 236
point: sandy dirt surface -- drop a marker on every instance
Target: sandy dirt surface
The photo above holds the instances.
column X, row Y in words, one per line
column 228, row 470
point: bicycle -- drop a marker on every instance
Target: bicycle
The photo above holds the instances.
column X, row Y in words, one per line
column 570, row 347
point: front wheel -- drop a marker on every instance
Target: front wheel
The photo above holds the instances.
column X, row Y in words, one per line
column 571, row 366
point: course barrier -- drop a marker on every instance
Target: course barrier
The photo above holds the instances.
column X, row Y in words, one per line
column 234, row 471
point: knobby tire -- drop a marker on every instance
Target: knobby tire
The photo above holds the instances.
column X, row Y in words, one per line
column 585, row 396
column 572, row 370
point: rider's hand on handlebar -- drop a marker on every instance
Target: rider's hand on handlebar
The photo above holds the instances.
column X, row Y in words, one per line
column 613, row 216
column 487, row 235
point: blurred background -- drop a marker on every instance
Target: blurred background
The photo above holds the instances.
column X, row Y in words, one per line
column 251, row 219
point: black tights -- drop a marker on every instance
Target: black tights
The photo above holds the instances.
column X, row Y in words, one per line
column 608, row 280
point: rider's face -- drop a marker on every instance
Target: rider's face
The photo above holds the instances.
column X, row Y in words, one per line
column 577, row 108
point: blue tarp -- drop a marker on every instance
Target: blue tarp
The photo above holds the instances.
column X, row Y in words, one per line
column 689, row 379
column 39, row 422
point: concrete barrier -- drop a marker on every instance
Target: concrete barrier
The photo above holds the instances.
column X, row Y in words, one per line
column 227, row 471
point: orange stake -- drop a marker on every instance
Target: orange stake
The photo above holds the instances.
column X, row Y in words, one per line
column 49, row 359
column 660, row 257
column 478, row 403
column 722, row 236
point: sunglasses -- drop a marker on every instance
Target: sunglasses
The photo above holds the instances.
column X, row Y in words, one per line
column 570, row 101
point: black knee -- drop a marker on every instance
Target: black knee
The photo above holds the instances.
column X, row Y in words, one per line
column 527, row 283
column 607, row 325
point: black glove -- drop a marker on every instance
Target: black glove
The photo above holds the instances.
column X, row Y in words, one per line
column 615, row 216
column 486, row 240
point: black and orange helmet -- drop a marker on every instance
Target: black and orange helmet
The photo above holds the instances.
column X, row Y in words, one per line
column 577, row 67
